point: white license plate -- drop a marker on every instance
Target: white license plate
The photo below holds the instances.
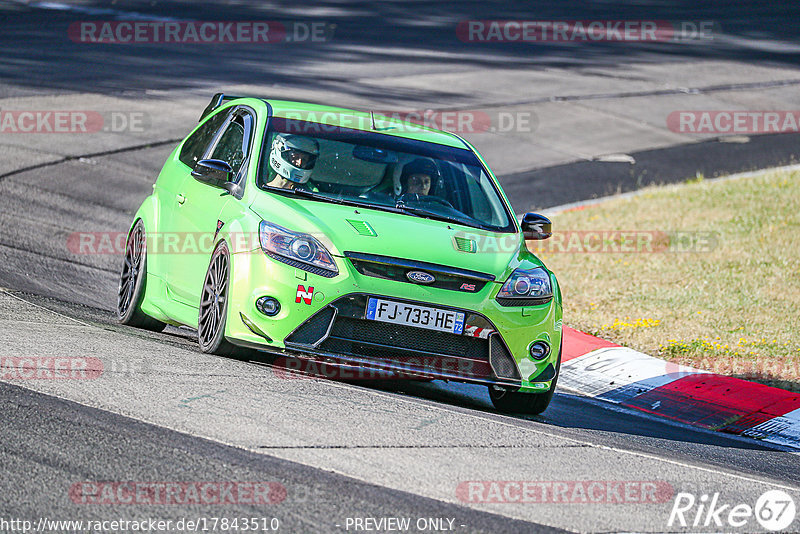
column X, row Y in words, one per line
column 388, row 311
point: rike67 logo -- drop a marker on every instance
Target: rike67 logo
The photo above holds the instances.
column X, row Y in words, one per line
column 774, row 510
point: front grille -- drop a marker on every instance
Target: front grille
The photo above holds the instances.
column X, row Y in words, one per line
column 409, row 337
column 341, row 328
column 388, row 268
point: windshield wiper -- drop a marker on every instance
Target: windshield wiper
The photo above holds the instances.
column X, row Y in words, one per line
column 400, row 207
column 307, row 194
column 421, row 212
column 344, row 201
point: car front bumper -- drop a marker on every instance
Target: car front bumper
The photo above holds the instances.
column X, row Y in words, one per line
column 323, row 319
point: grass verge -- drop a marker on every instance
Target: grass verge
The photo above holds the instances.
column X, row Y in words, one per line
column 705, row 274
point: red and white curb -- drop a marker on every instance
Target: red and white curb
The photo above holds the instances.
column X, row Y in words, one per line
column 623, row 376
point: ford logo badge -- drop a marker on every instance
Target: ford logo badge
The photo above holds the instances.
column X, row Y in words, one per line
column 420, row 277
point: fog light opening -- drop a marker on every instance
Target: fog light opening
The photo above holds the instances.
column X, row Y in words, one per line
column 539, row 350
column 268, row 306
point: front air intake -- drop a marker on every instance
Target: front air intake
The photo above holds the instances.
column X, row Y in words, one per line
column 463, row 244
column 500, row 359
column 362, row 228
column 314, row 330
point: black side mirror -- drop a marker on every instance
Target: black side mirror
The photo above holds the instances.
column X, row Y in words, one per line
column 213, row 172
column 535, row 226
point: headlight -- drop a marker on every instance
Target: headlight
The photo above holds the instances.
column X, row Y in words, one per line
column 299, row 250
column 526, row 286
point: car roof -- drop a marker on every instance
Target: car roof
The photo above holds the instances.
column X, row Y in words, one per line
column 361, row 120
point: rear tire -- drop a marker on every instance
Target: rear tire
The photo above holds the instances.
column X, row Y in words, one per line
column 525, row 403
column 132, row 282
column 214, row 307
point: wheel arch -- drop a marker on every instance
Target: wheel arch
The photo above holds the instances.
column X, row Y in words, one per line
column 148, row 213
column 154, row 301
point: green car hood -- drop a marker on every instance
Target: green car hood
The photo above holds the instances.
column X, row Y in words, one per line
column 341, row 229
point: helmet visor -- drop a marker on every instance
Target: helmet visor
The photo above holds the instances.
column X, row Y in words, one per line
column 298, row 158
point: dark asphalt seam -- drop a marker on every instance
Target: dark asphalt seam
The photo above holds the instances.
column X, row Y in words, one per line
column 523, row 422
column 32, row 298
column 378, row 447
column 682, row 90
column 83, row 200
column 90, row 155
column 511, row 421
column 286, row 472
column 633, row 94
column 166, row 338
column 56, row 258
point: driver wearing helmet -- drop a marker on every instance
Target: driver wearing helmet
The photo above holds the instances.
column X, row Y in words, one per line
column 417, row 177
column 292, row 157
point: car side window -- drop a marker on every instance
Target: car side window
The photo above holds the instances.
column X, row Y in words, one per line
column 197, row 143
column 231, row 146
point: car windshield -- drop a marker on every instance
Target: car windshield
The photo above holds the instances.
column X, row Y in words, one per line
column 381, row 171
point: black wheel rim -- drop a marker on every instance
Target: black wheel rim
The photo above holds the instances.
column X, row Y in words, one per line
column 212, row 302
column 131, row 269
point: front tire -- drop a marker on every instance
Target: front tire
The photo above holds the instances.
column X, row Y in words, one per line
column 214, row 306
column 132, row 282
column 525, row 403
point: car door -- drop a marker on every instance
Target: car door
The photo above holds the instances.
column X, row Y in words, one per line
column 197, row 217
column 182, row 164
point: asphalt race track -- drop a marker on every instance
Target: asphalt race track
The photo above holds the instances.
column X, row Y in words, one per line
column 337, row 452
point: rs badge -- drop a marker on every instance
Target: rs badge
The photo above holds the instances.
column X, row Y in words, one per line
column 304, row 295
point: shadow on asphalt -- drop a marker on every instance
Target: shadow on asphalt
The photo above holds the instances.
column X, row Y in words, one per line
column 38, row 52
column 583, row 180
column 565, row 411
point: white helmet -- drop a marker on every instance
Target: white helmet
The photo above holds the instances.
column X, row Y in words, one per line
column 293, row 157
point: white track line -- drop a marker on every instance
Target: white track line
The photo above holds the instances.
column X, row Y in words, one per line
column 496, row 418
column 13, row 296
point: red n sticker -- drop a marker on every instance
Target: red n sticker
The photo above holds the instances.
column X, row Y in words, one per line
column 304, row 295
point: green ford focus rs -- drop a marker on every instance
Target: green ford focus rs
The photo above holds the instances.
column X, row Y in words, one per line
column 330, row 235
